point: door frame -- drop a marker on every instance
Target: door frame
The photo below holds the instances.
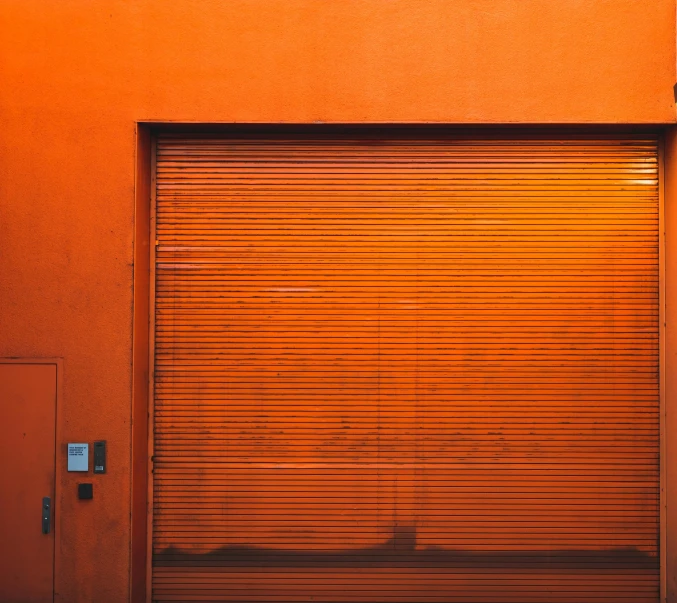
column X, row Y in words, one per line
column 143, row 328
column 662, row 475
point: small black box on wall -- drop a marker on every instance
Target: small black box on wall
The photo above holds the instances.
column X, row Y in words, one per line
column 100, row 456
column 85, row 491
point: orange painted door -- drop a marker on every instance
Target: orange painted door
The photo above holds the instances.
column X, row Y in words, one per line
column 406, row 368
column 27, row 440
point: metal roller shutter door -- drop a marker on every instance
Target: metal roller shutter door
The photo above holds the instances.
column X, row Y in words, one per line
column 406, row 369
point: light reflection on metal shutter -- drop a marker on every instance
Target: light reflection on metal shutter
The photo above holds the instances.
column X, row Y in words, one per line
column 400, row 369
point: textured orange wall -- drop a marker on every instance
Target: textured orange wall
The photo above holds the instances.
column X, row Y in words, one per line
column 75, row 76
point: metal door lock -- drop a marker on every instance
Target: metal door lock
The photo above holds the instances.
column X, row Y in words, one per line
column 46, row 514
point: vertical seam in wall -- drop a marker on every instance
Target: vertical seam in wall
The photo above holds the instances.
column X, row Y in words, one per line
column 54, row 474
column 151, row 370
column 132, row 382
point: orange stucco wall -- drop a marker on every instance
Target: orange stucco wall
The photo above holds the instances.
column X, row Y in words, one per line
column 76, row 77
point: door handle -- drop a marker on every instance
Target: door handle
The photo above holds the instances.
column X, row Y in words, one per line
column 46, row 514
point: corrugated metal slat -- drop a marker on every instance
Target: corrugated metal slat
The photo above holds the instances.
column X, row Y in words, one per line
column 396, row 369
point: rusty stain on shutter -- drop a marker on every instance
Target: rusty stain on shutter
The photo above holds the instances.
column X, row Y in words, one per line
column 399, row 369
